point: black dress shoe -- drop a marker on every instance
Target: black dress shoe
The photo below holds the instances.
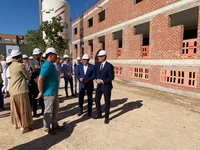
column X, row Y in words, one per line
column 107, row 120
column 79, row 113
column 98, row 117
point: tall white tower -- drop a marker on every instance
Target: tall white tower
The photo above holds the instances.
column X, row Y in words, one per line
column 56, row 8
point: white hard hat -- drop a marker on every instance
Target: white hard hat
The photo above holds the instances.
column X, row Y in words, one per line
column 86, row 56
column 31, row 57
column 78, row 58
column 66, row 56
column 15, row 52
column 24, row 56
column 51, row 50
column 44, row 55
column 102, row 53
column 36, row 51
column 8, row 59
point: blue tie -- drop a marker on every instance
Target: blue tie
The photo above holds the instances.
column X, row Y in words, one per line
column 101, row 67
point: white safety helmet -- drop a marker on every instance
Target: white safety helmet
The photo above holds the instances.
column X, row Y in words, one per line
column 15, row 52
column 78, row 58
column 36, row 51
column 24, row 56
column 66, row 56
column 44, row 55
column 51, row 50
column 8, row 59
column 86, row 56
column 31, row 57
column 102, row 53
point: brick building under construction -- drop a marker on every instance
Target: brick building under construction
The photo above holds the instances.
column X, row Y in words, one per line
column 151, row 43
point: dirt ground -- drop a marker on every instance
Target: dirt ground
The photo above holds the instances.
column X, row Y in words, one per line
column 141, row 119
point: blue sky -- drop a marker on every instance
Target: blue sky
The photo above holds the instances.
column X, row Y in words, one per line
column 18, row 16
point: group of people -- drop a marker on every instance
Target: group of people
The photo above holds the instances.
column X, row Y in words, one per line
column 37, row 80
column 84, row 74
column 103, row 73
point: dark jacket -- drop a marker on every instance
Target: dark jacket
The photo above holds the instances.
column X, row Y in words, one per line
column 107, row 75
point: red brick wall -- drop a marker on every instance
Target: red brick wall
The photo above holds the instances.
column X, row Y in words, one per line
column 124, row 10
column 78, row 50
column 111, row 46
column 154, row 78
column 165, row 41
column 96, row 45
column 86, row 47
column 132, row 44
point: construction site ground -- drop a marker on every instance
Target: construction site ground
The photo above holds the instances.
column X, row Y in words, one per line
column 140, row 119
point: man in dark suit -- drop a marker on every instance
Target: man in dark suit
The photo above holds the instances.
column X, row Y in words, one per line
column 36, row 64
column 85, row 73
column 105, row 75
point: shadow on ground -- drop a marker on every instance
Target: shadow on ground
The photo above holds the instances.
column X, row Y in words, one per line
column 47, row 141
column 126, row 108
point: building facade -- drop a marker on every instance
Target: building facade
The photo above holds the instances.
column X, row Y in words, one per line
column 12, row 41
column 151, row 43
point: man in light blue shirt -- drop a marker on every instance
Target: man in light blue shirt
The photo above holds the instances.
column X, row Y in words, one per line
column 48, row 87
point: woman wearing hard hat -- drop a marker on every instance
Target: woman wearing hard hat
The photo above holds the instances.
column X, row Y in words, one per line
column 20, row 113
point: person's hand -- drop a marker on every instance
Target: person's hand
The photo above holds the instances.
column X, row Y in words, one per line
column 30, row 72
column 37, row 66
column 81, row 79
column 39, row 95
column 99, row 81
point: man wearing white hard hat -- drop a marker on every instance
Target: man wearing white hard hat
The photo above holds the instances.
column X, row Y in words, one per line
column 75, row 67
column 36, row 64
column 48, row 88
column 43, row 59
column 68, row 74
column 20, row 113
column 105, row 75
column 26, row 64
column 86, row 73
column 31, row 58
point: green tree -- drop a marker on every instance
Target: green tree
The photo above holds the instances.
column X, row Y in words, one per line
column 34, row 39
column 52, row 31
